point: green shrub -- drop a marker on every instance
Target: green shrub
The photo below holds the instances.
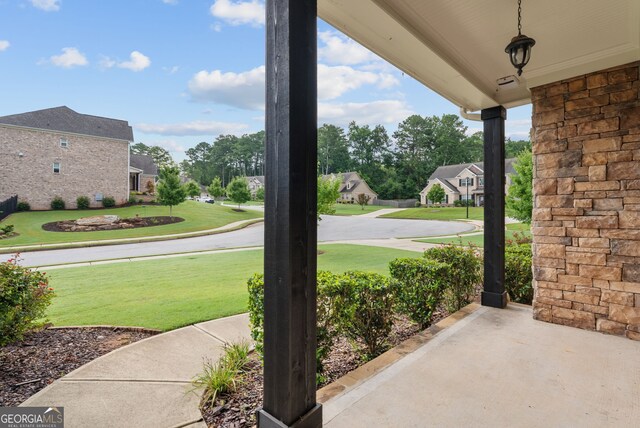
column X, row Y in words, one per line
column 518, row 276
column 464, row 275
column 463, row 203
column 57, row 203
column 23, row 206
column 255, row 286
column 82, row 202
column 108, row 202
column 6, row 229
column 236, row 355
column 132, row 200
column 24, row 297
column 364, row 305
column 421, row 286
column 326, row 331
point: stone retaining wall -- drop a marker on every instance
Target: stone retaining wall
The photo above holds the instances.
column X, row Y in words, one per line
column 586, row 219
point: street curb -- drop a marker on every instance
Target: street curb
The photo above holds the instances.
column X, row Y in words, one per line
column 64, row 246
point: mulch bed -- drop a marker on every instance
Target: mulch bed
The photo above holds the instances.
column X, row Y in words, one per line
column 125, row 223
column 28, row 366
column 239, row 408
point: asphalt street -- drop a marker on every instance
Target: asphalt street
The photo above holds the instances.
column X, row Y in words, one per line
column 332, row 228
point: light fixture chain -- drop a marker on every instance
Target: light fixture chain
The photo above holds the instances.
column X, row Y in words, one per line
column 519, row 12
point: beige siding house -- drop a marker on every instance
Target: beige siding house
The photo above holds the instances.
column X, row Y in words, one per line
column 352, row 185
column 59, row 152
column 454, row 179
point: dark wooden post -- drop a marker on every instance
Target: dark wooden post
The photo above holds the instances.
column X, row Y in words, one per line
column 494, row 294
column 290, row 248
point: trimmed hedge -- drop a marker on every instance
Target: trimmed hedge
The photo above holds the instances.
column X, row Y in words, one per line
column 57, row 203
column 108, row 202
column 465, row 273
column 422, row 283
column 82, row 202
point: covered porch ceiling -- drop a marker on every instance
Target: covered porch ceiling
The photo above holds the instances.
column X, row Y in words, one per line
column 456, row 47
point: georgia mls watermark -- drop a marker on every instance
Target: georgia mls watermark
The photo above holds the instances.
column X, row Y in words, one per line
column 31, row 417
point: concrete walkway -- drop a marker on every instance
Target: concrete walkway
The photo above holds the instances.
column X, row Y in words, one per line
column 145, row 384
column 381, row 212
column 500, row 368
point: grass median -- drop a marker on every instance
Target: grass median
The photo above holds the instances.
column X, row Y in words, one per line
column 443, row 213
column 198, row 216
column 478, row 240
column 174, row 292
column 355, row 209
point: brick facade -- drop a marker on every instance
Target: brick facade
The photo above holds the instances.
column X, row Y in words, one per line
column 586, row 219
column 88, row 166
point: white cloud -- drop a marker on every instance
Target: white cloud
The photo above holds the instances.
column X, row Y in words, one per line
column 106, row 62
column 244, row 90
column 518, row 128
column 340, row 49
column 239, row 12
column 137, row 62
column 372, row 113
column 69, row 58
column 198, row 127
column 170, row 145
column 171, row 70
column 4, row 45
column 217, row 27
column 335, row 81
column 46, row 5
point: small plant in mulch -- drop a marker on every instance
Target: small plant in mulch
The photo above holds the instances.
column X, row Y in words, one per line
column 124, row 223
column 6, row 231
column 223, row 376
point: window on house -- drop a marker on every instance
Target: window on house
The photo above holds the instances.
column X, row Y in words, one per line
column 480, row 181
column 64, row 143
column 56, row 167
column 463, row 182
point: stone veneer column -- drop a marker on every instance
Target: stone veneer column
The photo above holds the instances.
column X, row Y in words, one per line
column 586, row 217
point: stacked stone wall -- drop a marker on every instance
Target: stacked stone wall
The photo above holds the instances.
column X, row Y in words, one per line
column 586, row 219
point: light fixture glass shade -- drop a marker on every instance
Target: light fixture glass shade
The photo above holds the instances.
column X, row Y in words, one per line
column 519, row 51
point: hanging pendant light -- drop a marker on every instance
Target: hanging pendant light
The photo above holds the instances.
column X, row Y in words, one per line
column 519, row 49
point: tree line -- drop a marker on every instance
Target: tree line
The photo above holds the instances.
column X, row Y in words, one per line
column 396, row 166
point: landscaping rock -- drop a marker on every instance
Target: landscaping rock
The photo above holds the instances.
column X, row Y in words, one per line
column 98, row 220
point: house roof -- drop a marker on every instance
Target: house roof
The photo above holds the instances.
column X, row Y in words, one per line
column 64, row 119
column 258, row 178
column 451, row 171
column 456, row 47
column 447, row 184
column 144, row 163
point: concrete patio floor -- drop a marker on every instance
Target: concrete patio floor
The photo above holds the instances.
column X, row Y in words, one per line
column 500, row 368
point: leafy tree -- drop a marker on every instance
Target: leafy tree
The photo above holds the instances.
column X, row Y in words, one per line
column 436, row 194
column 260, row 194
column 363, row 199
column 520, row 196
column 370, row 152
column 160, row 156
column 333, row 150
column 170, row 190
column 238, row 191
column 215, row 189
column 192, row 189
column 328, row 194
column 514, row 148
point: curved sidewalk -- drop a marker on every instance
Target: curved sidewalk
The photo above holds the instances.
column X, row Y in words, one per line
column 145, row 384
column 82, row 244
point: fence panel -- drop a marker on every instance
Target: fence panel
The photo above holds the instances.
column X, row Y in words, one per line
column 8, row 206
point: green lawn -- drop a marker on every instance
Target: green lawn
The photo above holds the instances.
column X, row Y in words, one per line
column 197, row 215
column 444, row 213
column 478, row 240
column 355, row 209
column 170, row 293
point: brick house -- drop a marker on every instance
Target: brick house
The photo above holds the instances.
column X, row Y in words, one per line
column 59, row 152
column 142, row 170
column 454, row 180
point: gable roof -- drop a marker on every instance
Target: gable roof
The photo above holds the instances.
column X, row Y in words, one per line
column 66, row 120
column 450, row 171
column 144, row 163
column 258, row 178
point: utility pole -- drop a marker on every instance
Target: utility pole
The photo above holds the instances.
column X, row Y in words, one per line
column 467, row 201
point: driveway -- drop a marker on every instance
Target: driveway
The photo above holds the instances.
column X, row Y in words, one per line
column 332, row 228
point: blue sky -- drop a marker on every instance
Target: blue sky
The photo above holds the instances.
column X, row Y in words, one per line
column 185, row 71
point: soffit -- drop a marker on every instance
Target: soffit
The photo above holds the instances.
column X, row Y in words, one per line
column 456, row 47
